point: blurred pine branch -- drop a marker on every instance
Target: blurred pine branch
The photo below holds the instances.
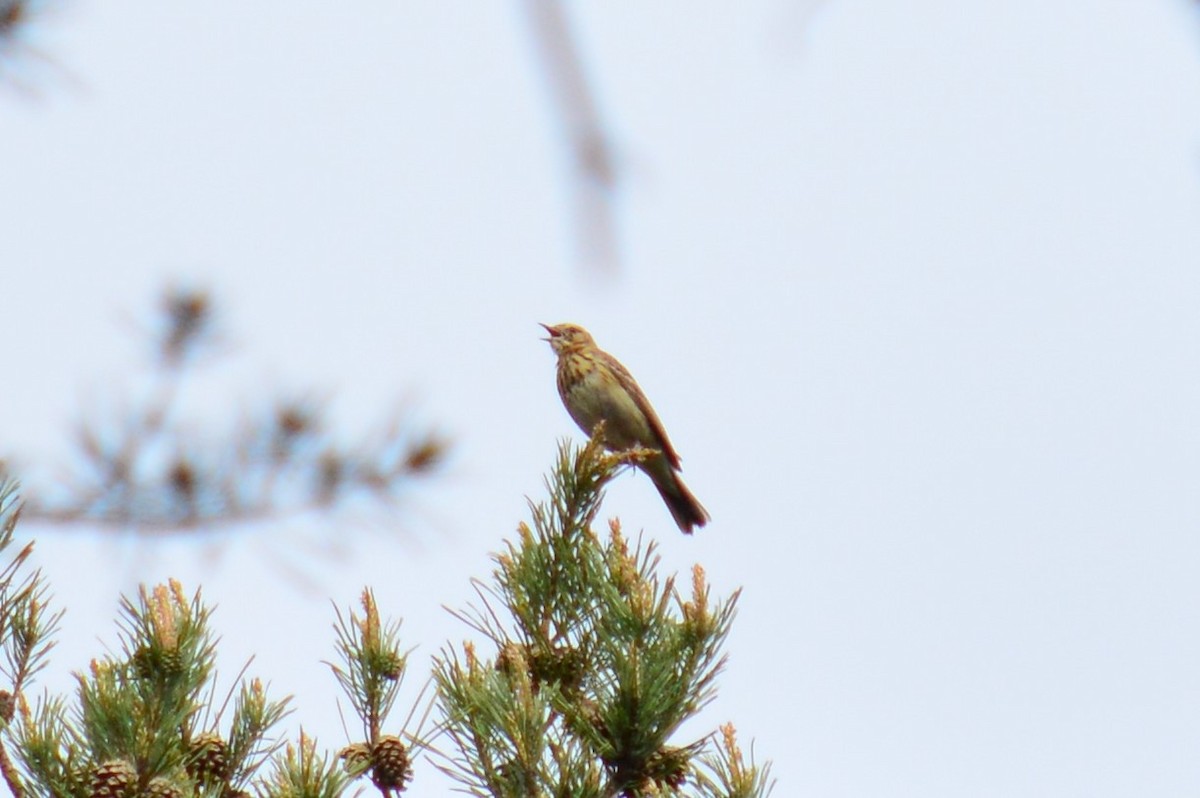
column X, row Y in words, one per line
column 145, row 469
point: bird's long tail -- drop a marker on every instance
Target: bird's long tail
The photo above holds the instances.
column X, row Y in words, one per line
column 685, row 508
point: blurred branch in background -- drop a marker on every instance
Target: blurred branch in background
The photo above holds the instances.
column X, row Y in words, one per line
column 142, row 471
column 20, row 58
column 788, row 32
column 594, row 174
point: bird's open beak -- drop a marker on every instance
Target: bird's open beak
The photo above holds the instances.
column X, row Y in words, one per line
column 552, row 330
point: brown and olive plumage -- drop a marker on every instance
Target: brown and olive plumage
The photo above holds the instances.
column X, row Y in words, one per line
column 595, row 387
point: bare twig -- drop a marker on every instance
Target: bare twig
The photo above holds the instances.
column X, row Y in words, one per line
column 141, row 471
column 594, row 175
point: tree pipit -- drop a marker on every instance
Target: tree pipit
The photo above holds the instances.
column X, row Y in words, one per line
column 596, row 388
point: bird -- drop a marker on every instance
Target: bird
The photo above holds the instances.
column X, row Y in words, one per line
column 596, row 388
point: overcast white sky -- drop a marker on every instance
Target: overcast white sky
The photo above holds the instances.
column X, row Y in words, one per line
column 913, row 286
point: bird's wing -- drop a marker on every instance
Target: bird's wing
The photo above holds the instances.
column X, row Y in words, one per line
column 656, row 426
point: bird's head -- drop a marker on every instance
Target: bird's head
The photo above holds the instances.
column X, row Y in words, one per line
column 565, row 337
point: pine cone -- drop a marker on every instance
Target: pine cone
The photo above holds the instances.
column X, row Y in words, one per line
column 161, row 788
column 390, row 766
column 565, row 665
column 393, row 666
column 208, row 759
column 157, row 663
column 511, row 660
column 669, row 767
column 113, row 779
column 356, row 759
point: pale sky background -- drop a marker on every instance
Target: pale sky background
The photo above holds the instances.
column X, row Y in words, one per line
column 914, row 287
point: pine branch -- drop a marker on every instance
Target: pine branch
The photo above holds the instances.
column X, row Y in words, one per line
column 131, row 731
column 371, row 674
column 597, row 660
column 141, row 469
